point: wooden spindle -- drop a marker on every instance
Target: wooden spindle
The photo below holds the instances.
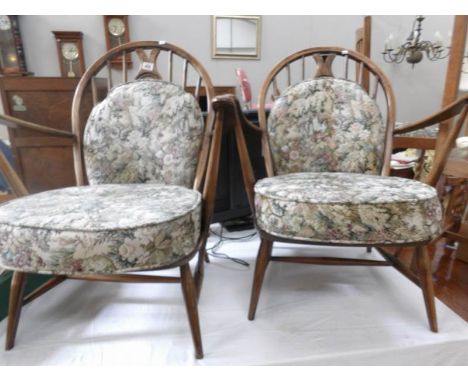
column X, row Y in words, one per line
column 185, row 73
column 376, row 88
column 197, row 88
column 94, row 91
column 169, row 66
column 347, row 67
column 361, row 74
column 276, row 91
column 288, row 69
column 124, row 67
column 109, row 75
column 303, row 68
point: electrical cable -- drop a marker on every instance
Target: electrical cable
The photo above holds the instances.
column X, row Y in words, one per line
column 212, row 251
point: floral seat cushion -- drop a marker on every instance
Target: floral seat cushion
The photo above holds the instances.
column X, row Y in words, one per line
column 326, row 125
column 99, row 229
column 144, row 131
column 347, row 208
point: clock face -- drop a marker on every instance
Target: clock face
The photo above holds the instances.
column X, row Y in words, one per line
column 70, row 51
column 116, row 27
column 5, row 23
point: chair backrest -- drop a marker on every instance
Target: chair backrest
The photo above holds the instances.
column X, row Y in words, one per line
column 148, row 129
column 246, row 90
column 326, row 122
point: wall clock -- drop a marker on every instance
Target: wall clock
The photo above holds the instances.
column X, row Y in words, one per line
column 117, row 33
column 70, row 53
column 12, row 61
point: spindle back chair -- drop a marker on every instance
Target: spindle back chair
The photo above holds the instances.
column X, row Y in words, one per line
column 189, row 213
column 326, row 205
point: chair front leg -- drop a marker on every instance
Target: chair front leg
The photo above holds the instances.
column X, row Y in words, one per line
column 425, row 279
column 190, row 296
column 263, row 258
column 18, row 284
column 200, row 268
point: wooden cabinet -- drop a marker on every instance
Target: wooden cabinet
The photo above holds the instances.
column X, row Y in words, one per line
column 43, row 162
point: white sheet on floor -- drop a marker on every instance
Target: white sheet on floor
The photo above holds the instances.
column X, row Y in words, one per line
column 307, row 315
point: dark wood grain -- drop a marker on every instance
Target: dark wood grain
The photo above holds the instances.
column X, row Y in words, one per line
column 263, row 258
column 18, row 283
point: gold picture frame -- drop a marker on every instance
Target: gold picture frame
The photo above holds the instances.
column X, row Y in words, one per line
column 236, row 37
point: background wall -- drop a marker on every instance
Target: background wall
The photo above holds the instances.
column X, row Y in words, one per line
column 418, row 91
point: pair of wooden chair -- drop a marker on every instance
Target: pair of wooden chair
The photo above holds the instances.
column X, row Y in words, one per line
column 151, row 162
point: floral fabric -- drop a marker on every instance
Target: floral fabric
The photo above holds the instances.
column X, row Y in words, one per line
column 326, row 125
column 347, row 208
column 144, row 131
column 427, row 132
column 99, row 229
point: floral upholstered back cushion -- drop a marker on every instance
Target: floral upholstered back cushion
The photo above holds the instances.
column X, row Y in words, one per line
column 144, row 131
column 326, row 125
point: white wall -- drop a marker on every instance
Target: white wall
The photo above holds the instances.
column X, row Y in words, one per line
column 418, row 91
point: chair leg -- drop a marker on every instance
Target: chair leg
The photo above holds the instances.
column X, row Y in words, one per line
column 18, row 283
column 200, row 269
column 368, row 249
column 263, row 258
column 425, row 279
column 190, row 297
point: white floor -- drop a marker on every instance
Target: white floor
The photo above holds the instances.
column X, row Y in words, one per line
column 307, row 315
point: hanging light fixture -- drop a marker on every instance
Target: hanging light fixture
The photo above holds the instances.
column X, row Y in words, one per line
column 412, row 50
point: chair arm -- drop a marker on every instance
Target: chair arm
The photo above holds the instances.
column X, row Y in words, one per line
column 446, row 113
column 17, row 123
column 231, row 102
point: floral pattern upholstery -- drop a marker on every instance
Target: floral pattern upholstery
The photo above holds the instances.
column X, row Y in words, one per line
column 144, row 131
column 426, row 132
column 347, row 208
column 326, row 124
column 99, row 229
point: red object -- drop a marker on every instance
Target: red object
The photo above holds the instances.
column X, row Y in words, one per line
column 246, row 90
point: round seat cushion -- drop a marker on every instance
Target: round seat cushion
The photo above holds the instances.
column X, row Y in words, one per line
column 347, row 208
column 99, row 229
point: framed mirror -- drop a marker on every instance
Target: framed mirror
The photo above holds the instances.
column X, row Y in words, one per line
column 236, row 37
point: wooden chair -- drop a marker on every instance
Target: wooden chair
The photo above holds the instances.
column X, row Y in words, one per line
column 436, row 134
column 327, row 153
column 151, row 163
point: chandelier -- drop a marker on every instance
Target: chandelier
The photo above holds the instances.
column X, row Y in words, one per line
column 413, row 48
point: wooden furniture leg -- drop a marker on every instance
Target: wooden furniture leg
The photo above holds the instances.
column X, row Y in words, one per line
column 190, row 296
column 425, row 278
column 263, row 258
column 18, row 283
column 200, row 269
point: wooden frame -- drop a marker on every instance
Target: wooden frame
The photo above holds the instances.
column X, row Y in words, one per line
column 205, row 179
column 215, row 53
column 422, row 260
column 77, row 65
